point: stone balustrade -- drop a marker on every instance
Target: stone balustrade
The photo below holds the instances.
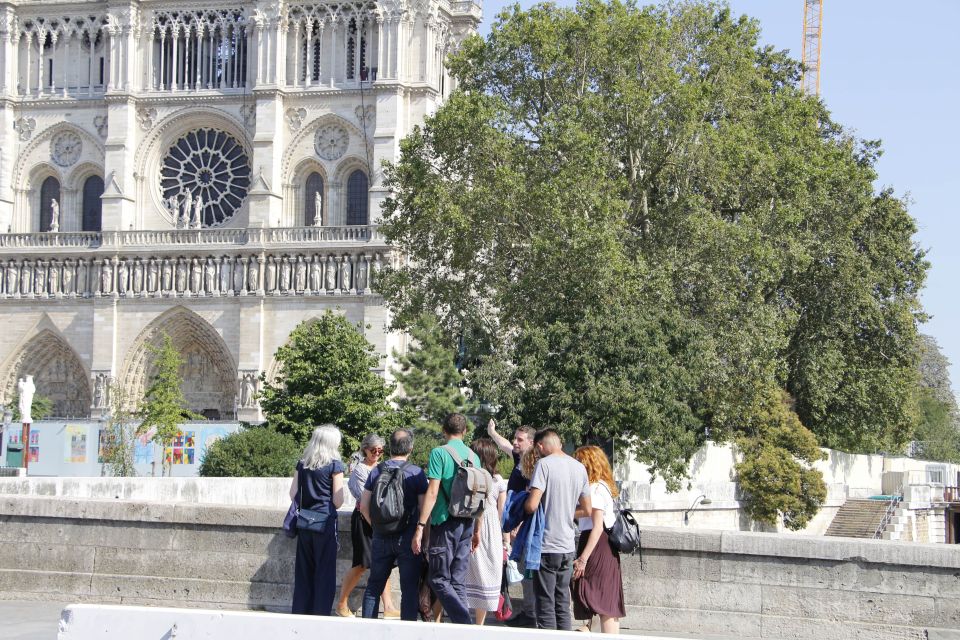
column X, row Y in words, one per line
column 159, row 240
column 157, row 275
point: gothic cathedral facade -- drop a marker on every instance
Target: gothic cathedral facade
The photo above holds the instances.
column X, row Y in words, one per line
column 207, row 170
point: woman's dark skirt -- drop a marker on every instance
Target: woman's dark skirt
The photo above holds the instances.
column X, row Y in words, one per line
column 600, row 590
column 361, row 536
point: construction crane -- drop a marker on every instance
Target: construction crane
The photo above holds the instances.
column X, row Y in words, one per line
column 812, row 32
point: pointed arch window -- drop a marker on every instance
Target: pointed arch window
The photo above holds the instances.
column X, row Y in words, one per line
column 314, row 185
column 92, row 205
column 49, row 191
column 357, row 191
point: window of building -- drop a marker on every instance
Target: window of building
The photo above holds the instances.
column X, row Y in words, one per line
column 314, row 186
column 357, row 191
column 49, row 191
column 92, row 205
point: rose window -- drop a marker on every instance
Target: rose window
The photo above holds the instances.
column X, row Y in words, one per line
column 211, row 166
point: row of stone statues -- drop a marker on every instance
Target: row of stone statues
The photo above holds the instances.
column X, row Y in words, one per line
column 217, row 276
column 247, row 389
column 187, row 211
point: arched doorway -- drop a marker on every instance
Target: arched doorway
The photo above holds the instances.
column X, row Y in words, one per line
column 57, row 373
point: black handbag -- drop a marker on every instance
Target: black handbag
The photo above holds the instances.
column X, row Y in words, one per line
column 309, row 519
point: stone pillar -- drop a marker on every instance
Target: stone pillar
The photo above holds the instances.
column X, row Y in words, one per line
column 251, row 359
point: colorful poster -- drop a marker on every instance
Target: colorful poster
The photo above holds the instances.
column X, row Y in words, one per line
column 143, row 447
column 181, row 449
column 14, row 437
column 104, row 446
column 75, row 444
column 33, row 452
column 209, row 436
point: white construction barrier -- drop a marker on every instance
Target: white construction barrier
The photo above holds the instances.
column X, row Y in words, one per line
column 88, row 621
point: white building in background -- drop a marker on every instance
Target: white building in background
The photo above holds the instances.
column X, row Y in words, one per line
column 211, row 170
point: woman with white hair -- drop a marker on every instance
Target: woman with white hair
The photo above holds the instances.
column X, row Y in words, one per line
column 361, row 533
column 318, row 489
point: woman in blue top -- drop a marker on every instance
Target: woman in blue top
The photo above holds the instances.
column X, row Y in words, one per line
column 319, row 483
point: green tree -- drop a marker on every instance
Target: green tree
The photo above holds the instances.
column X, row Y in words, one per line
column 655, row 169
column 251, row 452
column 121, row 434
column 327, row 375
column 937, row 436
column 164, row 409
column 40, row 408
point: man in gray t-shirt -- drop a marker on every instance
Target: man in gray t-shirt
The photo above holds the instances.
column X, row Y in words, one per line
column 559, row 483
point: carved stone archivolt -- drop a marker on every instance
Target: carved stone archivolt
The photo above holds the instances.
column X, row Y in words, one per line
column 57, row 372
column 271, row 274
column 208, row 371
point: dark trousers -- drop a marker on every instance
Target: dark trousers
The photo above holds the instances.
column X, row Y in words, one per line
column 448, row 556
column 315, row 572
column 551, row 584
column 387, row 551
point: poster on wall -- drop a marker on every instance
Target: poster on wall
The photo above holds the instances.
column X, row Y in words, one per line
column 75, row 444
column 143, row 447
column 104, row 446
column 33, row 454
column 181, row 449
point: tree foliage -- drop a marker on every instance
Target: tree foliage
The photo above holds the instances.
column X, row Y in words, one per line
column 937, row 436
column 327, row 375
column 121, row 431
column 645, row 227
column 251, row 452
column 40, row 407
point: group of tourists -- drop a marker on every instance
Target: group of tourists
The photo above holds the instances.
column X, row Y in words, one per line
column 456, row 530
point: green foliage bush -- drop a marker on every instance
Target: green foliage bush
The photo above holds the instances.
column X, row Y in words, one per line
column 252, row 452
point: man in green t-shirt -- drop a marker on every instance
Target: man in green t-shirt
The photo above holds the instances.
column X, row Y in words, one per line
column 449, row 547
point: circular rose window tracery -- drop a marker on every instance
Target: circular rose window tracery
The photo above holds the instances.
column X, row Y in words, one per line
column 210, row 165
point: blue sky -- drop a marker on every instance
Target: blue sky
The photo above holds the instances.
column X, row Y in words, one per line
column 888, row 72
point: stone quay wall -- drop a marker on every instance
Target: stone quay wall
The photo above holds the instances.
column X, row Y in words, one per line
column 724, row 583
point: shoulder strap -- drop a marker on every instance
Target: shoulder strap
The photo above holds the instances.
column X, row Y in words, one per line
column 456, row 457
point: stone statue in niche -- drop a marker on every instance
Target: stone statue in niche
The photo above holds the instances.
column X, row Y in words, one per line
column 375, row 271
column 284, row 274
column 270, row 275
column 173, row 206
column 152, row 276
column 184, row 216
column 238, row 271
column 253, row 274
column 26, row 278
column 106, row 277
column 317, row 209
column 196, row 276
column 300, row 275
column 100, row 391
column 316, row 274
column 226, row 274
column 196, row 221
column 25, row 390
column 166, row 276
column 210, row 276
column 346, row 273
column 82, row 279
column 54, row 215
column 53, row 278
column 67, row 278
column 40, row 278
column 362, row 274
column 330, row 279
column 13, row 278
column 248, row 390
column 181, row 284
column 137, row 276
column 123, row 275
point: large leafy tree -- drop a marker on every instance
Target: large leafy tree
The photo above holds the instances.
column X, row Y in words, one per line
column 611, row 180
column 327, row 375
column 937, row 436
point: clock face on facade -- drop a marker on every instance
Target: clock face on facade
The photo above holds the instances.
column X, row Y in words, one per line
column 331, row 141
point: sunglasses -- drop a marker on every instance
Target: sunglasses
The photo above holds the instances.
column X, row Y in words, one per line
column 375, row 450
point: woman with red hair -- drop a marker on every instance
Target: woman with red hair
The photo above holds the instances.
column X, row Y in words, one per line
column 597, row 585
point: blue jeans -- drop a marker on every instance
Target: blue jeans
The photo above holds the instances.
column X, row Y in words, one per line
column 448, row 556
column 387, row 551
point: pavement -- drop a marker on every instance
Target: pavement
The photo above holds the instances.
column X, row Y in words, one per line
column 29, row 620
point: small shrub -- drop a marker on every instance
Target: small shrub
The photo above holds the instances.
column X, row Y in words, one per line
column 259, row 452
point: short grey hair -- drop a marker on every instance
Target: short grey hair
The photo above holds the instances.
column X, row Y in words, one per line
column 324, row 447
column 401, row 442
column 370, row 441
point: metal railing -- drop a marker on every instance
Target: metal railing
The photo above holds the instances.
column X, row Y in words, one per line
column 889, row 513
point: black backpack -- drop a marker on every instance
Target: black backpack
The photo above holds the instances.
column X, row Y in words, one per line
column 386, row 504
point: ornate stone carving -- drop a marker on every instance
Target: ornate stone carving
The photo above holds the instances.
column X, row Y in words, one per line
column 100, row 122
column 330, row 141
column 295, row 117
column 101, row 389
column 365, row 115
column 57, row 372
column 24, row 127
column 146, row 116
column 65, row 148
column 249, row 114
column 249, row 388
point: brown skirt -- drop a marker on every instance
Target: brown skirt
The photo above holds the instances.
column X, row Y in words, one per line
column 600, row 590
